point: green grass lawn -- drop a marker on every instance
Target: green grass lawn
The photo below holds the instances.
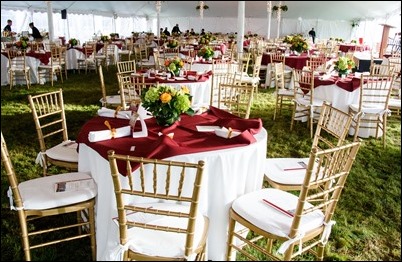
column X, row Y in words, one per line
column 368, row 216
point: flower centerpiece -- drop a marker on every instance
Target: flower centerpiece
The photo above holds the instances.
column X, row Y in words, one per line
column 206, row 52
column 297, row 43
column 73, row 42
column 344, row 65
column 283, row 8
column 174, row 65
column 104, row 38
column 22, row 43
column 205, row 39
column 166, row 103
column 172, row 43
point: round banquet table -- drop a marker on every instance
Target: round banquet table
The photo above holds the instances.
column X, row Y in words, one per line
column 228, row 174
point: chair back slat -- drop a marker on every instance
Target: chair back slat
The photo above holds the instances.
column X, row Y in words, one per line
column 156, row 180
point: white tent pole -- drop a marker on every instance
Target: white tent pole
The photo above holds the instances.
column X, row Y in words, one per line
column 240, row 25
column 158, row 6
column 68, row 29
column 50, row 20
column 279, row 18
column 93, row 22
column 269, row 12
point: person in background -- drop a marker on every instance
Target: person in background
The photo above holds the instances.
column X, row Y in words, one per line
column 202, row 32
column 160, row 31
column 7, row 28
column 176, row 30
column 166, row 32
column 35, row 32
column 312, row 34
column 192, row 31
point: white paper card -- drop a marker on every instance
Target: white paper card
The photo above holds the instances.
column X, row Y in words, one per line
column 226, row 133
column 74, row 185
column 207, row 128
column 144, row 129
column 296, row 164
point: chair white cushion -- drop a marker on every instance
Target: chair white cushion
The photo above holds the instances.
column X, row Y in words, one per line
column 275, row 173
column 252, row 207
column 375, row 110
column 306, row 102
column 285, row 92
column 160, row 243
column 65, row 151
column 394, row 103
column 39, row 193
column 113, row 100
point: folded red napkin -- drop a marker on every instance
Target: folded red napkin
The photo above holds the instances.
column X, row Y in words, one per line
column 204, row 76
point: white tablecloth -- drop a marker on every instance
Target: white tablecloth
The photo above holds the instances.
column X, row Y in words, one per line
column 32, row 62
column 341, row 99
column 228, row 174
column 200, row 91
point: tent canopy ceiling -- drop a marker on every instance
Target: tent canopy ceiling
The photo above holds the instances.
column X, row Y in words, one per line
column 324, row 10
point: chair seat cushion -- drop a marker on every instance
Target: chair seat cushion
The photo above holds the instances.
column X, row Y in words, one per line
column 40, row 193
column 65, row 151
column 274, row 170
column 394, row 103
column 252, row 208
column 285, row 92
column 306, row 102
column 370, row 109
column 160, row 243
column 113, row 100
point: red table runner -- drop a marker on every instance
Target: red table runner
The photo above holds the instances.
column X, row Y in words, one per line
column 186, row 138
column 43, row 57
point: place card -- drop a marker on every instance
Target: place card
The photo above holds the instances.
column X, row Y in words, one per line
column 291, row 165
column 207, row 128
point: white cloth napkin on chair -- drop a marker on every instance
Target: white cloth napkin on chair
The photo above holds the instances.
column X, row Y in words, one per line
column 226, row 133
column 106, row 112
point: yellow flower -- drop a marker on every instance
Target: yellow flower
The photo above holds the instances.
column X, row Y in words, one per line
column 185, row 89
column 165, row 98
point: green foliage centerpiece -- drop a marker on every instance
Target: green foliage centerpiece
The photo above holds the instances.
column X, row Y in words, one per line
column 167, row 103
column 206, row 52
column 344, row 65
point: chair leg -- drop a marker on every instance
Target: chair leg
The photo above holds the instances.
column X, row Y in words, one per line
column 11, row 76
column 229, row 248
column 320, row 252
column 91, row 216
column 24, row 237
column 27, row 79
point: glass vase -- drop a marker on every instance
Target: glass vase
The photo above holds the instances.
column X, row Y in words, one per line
column 167, row 119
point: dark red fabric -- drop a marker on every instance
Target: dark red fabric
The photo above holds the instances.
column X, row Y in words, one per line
column 293, row 61
column 353, row 47
column 350, row 83
column 43, row 57
column 186, row 138
column 198, row 78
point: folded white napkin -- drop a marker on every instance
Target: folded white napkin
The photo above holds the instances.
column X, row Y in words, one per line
column 144, row 129
column 325, row 77
column 106, row 112
column 95, row 136
column 226, row 133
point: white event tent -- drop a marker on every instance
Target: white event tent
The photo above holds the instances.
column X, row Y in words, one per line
column 338, row 19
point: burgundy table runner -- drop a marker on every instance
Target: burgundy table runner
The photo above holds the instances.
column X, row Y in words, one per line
column 186, row 138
